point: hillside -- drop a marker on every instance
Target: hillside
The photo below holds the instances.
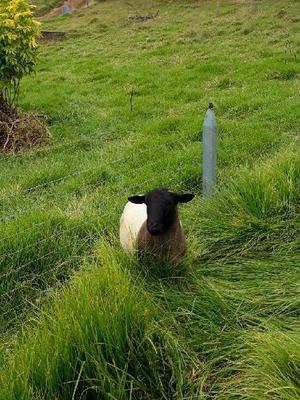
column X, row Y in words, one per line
column 42, row 7
column 78, row 318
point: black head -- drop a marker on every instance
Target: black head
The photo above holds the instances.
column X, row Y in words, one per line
column 161, row 208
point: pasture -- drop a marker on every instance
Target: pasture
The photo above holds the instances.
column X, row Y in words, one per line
column 81, row 320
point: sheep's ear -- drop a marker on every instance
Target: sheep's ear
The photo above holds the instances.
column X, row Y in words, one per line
column 184, row 198
column 137, row 199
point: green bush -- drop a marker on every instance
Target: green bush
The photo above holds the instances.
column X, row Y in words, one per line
column 19, row 32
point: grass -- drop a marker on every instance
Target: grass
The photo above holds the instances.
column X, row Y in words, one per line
column 258, row 212
column 81, row 320
column 45, row 6
column 270, row 373
column 109, row 343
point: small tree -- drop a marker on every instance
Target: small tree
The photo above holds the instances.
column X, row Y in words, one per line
column 19, row 32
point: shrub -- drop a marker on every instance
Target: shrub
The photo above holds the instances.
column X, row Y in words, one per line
column 19, row 32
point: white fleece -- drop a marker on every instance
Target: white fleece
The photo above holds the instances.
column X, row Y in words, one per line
column 132, row 219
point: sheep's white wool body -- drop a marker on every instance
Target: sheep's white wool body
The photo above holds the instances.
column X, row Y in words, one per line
column 132, row 219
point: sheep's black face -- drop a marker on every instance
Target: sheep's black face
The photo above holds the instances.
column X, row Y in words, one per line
column 161, row 211
column 161, row 208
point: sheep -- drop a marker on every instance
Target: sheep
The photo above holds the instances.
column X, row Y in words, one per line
column 151, row 223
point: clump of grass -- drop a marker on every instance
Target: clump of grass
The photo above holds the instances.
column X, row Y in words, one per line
column 284, row 74
column 221, row 314
column 269, row 369
column 39, row 253
column 99, row 339
column 256, row 212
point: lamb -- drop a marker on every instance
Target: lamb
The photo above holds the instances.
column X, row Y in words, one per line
column 151, row 223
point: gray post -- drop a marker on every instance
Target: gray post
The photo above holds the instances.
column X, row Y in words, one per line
column 209, row 158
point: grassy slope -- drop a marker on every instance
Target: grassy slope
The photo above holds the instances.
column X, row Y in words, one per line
column 243, row 284
column 44, row 6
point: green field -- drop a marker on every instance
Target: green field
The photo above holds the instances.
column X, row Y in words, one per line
column 81, row 320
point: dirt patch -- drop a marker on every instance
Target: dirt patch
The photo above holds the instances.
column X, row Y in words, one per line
column 20, row 132
column 67, row 8
column 47, row 36
column 142, row 18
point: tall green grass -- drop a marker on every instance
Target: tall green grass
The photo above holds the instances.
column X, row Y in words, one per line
column 270, row 371
column 99, row 339
column 255, row 213
column 114, row 333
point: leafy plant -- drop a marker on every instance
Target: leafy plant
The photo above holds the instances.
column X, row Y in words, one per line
column 19, row 32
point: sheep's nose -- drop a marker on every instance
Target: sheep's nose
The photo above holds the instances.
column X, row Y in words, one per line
column 154, row 228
